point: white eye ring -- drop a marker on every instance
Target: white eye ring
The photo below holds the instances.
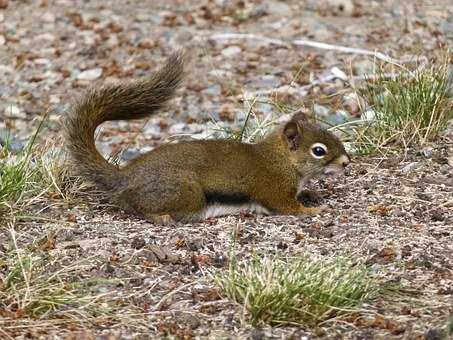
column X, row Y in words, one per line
column 318, row 150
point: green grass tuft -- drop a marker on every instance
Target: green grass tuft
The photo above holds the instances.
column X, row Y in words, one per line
column 298, row 290
column 410, row 109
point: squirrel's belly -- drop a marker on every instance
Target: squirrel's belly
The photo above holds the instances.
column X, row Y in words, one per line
column 216, row 210
column 221, row 203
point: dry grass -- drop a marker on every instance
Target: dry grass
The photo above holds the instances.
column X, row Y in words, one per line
column 41, row 286
column 35, row 285
column 38, row 172
column 254, row 125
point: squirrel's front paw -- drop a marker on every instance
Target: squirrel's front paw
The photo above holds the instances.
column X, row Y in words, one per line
column 309, row 198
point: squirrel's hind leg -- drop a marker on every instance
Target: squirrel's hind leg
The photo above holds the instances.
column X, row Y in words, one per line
column 181, row 199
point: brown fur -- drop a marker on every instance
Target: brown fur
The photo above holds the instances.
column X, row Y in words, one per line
column 177, row 179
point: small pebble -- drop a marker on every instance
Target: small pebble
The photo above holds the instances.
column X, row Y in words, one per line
column 409, row 167
column 231, row 51
column 91, row 74
column 427, row 152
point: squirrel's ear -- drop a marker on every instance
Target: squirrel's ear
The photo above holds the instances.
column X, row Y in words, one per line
column 292, row 135
column 299, row 117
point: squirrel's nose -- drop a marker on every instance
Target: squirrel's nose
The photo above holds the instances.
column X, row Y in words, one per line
column 343, row 160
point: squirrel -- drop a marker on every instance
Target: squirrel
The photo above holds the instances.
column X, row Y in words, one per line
column 197, row 179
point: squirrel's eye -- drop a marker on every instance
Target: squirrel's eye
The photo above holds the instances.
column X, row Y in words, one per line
column 318, row 150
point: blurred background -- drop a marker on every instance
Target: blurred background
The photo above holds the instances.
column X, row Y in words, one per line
column 51, row 50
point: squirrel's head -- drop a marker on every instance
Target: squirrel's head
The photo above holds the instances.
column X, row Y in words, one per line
column 313, row 150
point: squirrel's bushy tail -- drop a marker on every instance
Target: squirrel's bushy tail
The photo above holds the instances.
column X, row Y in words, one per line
column 115, row 102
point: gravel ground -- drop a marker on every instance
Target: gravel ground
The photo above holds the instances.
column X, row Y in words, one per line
column 392, row 213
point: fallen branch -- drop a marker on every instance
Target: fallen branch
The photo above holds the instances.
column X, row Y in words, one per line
column 344, row 49
column 230, row 36
column 310, row 43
